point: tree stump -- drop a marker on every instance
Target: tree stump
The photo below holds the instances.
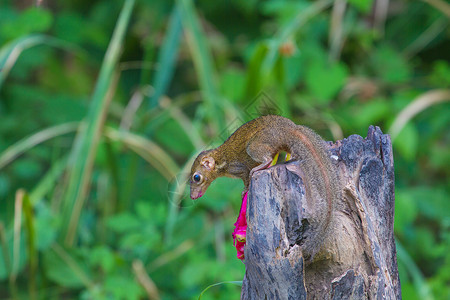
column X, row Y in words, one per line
column 362, row 263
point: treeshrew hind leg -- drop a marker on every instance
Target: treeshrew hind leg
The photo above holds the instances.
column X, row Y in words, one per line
column 262, row 166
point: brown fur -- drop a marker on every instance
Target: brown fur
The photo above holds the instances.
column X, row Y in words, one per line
column 253, row 146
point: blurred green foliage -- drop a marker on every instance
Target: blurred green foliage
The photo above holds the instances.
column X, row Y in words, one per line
column 94, row 150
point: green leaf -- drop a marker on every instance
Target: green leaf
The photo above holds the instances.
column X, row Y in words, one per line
column 67, row 26
column 254, row 79
column 409, row 291
column 140, row 242
column 437, row 205
column 363, row 6
column 66, row 268
column 406, row 211
column 144, row 210
column 36, row 19
column 47, row 225
column 285, row 11
column 232, row 84
column 440, row 75
column 32, row 20
column 295, row 70
column 294, row 25
column 121, row 286
column 27, row 168
column 325, row 81
column 194, row 273
column 123, row 222
column 371, row 113
column 102, row 256
column 439, row 156
column 407, row 141
column 390, row 65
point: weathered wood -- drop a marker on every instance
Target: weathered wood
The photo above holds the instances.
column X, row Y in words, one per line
column 361, row 256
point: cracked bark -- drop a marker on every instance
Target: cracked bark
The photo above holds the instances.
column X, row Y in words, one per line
column 361, row 261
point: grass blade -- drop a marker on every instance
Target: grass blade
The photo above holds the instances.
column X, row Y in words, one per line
column 418, row 105
column 144, row 280
column 15, row 150
column 440, row 5
column 31, row 243
column 203, row 61
column 167, row 56
column 49, row 181
column 7, row 260
column 18, row 206
column 336, row 36
column 5, row 252
column 238, row 283
column 73, row 265
column 84, row 149
column 426, row 38
column 11, row 51
column 423, row 290
column 150, row 151
column 175, row 197
column 161, row 161
column 171, row 255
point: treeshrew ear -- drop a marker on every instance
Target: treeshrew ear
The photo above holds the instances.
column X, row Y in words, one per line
column 208, row 162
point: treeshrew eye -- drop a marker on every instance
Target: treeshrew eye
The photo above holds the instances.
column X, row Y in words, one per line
column 197, row 178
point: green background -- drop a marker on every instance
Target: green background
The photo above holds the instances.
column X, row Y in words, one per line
column 98, row 131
